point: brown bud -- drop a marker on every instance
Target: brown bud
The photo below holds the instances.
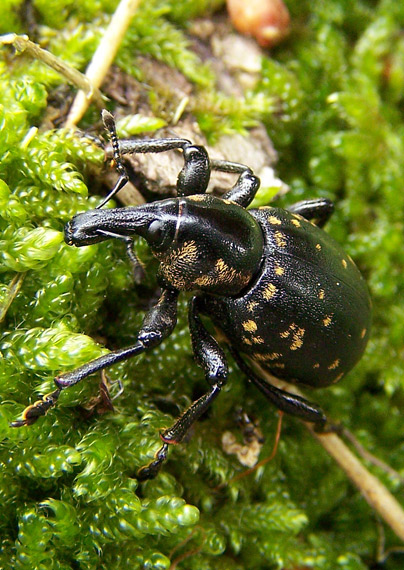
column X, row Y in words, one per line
column 266, row 20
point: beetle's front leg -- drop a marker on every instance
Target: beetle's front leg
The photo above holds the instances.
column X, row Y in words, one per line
column 194, row 176
column 137, row 267
column 210, row 356
column 157, row 325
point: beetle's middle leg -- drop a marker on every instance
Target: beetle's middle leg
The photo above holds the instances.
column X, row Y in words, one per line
column 318, row 211
column 210, row 356
column 157, row 325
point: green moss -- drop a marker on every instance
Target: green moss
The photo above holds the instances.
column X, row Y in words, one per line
column 331, row 97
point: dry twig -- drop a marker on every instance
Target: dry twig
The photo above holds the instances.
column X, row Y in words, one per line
column 374, row 492
column 103, row 56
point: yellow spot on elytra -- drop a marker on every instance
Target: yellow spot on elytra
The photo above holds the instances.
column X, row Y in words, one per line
column 318, row 246
column 327, row 320
column 286, row 333
column 258, row 340
column 266, row 357
column 251, row 305
column 297, row 336
column 274, row 220
column 280, row 239
column 334, row 365
column 296, row 223
column 247, row 341
column 250, row 326
column 321, row 294
column 316, row 365
column 297, row 339
column 363, row 333
column 344, row 264
column 278, row 365
column 279, row 270
column 269, row 291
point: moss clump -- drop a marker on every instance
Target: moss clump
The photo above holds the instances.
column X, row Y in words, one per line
column 67, row 493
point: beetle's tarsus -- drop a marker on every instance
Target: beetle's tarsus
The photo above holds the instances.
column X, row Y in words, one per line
column 37, row 409
column 151, row 470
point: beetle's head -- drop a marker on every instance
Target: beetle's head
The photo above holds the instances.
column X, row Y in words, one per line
column 154, row 222
column 202, row 242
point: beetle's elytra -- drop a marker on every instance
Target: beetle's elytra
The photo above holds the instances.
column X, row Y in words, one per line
column 281, row 291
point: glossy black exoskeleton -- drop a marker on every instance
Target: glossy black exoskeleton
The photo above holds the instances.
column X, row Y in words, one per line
column 279, row 289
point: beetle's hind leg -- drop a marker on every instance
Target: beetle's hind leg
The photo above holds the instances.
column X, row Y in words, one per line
column 318, row 211
column 285, row 401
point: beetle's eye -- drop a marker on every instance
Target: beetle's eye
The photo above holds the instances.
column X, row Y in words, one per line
column 155, row 232
column 158, row 235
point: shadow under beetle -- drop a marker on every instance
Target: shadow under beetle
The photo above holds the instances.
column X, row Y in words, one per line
column 281, row 291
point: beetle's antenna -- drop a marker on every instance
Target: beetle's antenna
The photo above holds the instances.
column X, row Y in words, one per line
column 109, row 124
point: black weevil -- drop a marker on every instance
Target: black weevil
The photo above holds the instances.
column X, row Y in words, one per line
column 279, row 289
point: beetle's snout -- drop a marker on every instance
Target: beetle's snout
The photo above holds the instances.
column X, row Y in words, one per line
column 69, row 233
column 82, row 230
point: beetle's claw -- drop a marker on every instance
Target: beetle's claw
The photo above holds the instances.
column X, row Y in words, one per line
column 151, row 470
column 20, row 423
column 37, row 409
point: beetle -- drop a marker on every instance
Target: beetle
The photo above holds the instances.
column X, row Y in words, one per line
column 279, row 289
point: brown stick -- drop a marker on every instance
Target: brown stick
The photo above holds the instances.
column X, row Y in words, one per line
column 374, row 492
column 23, row 44
column 103, row 56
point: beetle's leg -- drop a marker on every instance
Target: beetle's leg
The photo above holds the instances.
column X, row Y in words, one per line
column 137, row 267
column 195, row 174
column 317, row 211
column 284, row 401
column 157, row 325
column 245, row 188
column 212, row 359
column 192, row 179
